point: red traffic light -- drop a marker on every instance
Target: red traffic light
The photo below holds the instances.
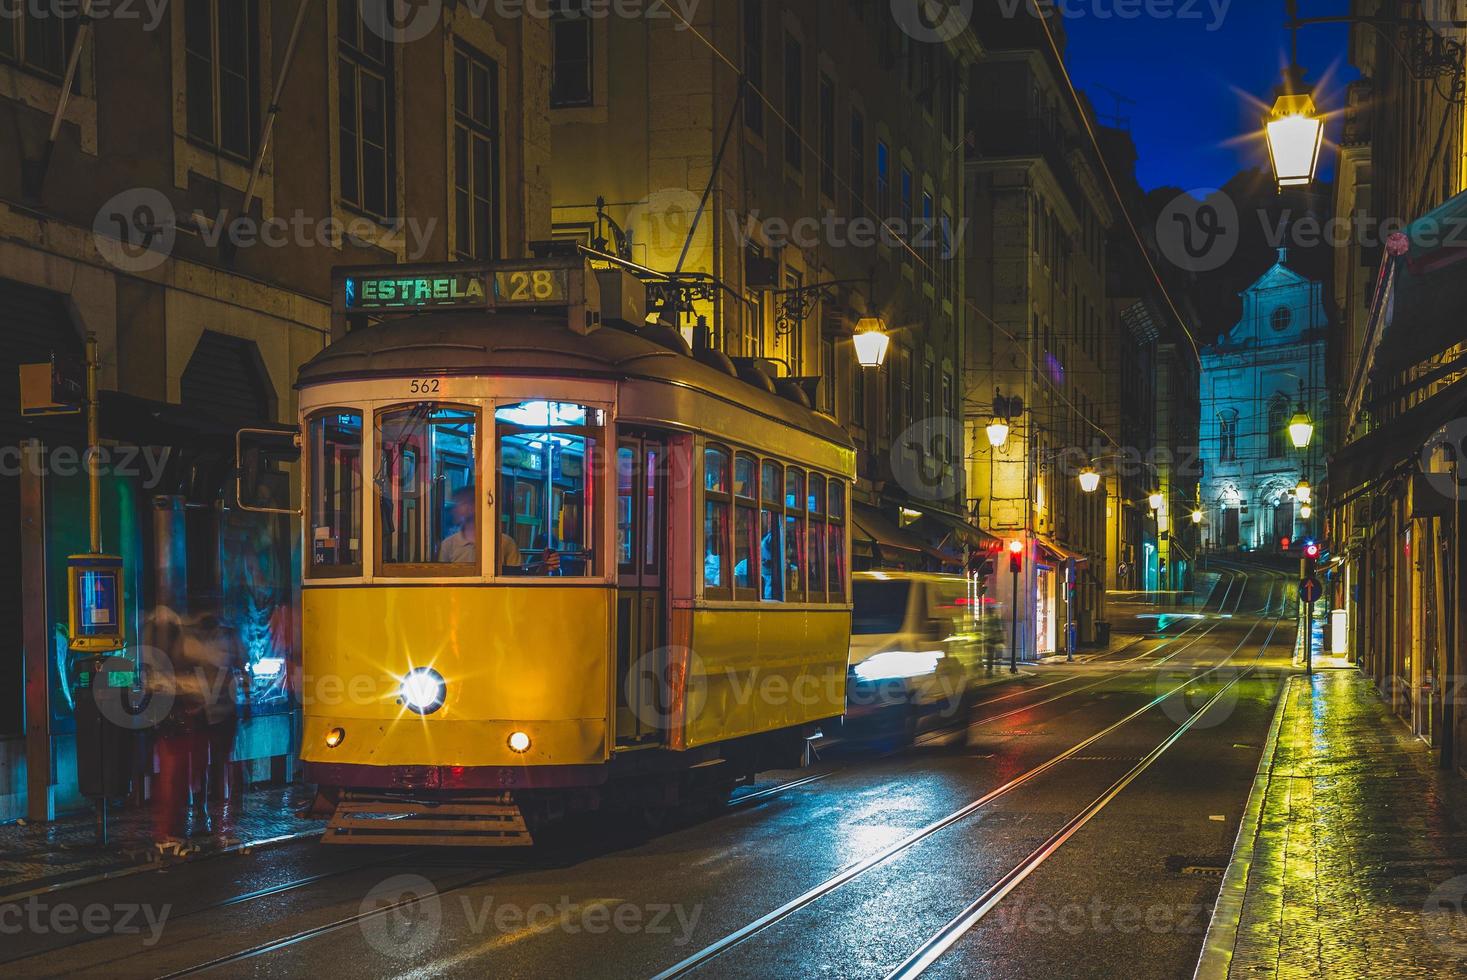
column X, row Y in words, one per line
column 1311, row 550
column 1016, row 547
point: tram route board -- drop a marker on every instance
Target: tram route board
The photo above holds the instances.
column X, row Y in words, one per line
column 470, row 290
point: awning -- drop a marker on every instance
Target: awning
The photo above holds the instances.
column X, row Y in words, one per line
column 945, row 529
column 1059, row 552
column 1380, row 452
column 889, row 543
column 1423, row 309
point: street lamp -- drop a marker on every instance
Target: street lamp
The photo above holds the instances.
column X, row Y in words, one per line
column 998, row 432
column 872, row 342
column 1196, row 517
column 1306, row 512
column 1156, row 500
column 1295, row 134
column 1304, row 493
column 1301, row 429
column 1089, row 479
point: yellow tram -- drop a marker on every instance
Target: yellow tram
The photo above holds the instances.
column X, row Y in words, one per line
column 657, row 605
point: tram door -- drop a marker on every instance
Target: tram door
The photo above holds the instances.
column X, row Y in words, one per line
column 641, row 606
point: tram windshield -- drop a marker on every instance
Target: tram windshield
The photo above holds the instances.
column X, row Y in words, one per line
column 548, row 454
column 425, row 474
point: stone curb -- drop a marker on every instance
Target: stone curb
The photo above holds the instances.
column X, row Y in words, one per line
column 1227, row 912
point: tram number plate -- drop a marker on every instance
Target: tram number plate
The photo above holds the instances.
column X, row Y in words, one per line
column 530, row 285
column 423, row 386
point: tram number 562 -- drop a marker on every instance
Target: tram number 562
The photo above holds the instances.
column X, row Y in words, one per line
column 423, row 386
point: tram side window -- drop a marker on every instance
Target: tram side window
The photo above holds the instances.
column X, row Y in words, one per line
column 626, row 482
column 815, row 555
column 794, row 534
column 771, row 531
column 716, row 505
column 428, row 510
column 746, row 526
column 336, row 490
column 835, row 544
column 547, row 495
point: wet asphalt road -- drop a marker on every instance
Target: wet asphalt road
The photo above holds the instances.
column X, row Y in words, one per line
column 1075, row 823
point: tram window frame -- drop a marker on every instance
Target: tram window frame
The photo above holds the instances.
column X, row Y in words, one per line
column 716, row 498
column 308, row 470
column 816, row 524
column 385, row 569
column 771, row 508
column 794, row 592
column 746, row 508
column 837, row 574
column 599, row 473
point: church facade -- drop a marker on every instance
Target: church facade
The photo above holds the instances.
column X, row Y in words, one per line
column 1255, row 379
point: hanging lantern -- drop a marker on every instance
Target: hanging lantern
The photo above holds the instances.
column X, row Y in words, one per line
column 998, row 432
column 1304, row 493
column 1156, row 500
column 1295, row 134
column 872, row 342
column 1301, row 429
column 1089, row 479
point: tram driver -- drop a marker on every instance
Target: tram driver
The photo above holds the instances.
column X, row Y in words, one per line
column 462, row 546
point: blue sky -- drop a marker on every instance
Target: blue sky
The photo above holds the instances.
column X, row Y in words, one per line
column 1196, row 79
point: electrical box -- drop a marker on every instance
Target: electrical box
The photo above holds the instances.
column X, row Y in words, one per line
column 94, row 597
column 56, row 388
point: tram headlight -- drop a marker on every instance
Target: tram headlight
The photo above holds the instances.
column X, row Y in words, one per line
column 335, row 737
column 423, row 690
column 519, row 742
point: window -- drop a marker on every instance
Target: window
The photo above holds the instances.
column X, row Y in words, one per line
column 1227, row 432
column 365, row 99
column 858, row 163
column 794, row 534
column 928, row 238
column 35, row 38
column 827, row 137
column 829, row 367
column 947, row 253
column 771, row 531
column 883, row 182
column 906, row 191
column 1280, row 319
column 219, row 59
column 570, row 70
column 835, row 543
column 815, row 553
column 427, row 508
column 794, row 103
column 747, row 536
column 548, row 454
column 793, row 280
column 880, row 606
column 335, row 460
column 1278, row 433
column 626, row 484
column 858, row 393
column 475, row 155
column 754, row 65
column 716, row 506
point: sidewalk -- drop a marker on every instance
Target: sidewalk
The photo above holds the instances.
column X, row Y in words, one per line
column 1352, row 857
column 43, row 856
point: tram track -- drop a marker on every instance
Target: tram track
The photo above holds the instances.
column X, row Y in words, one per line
column 717, row 948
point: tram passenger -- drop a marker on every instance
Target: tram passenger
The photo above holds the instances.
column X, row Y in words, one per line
column 462, row 547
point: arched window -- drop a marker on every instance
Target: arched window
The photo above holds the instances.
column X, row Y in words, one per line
column 1278, row 432
column 1227, row 434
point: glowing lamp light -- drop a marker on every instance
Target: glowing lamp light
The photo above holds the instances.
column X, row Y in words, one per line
column 1156, row 500
column 1295, row 134
column 1016, row 547
column 519, row 742
column 1301, row 430
column 1311, row 550
column 872, row 342
column 1306, row 512
column 1197, row 517
column 1303, row 492
column 1089, row 479
column 335, row 737
column 423, row 690
column 998, row 432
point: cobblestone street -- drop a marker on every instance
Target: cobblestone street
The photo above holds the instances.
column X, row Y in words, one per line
column 1359, row 854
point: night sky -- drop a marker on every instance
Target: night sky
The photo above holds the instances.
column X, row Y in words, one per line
column 1196, row 89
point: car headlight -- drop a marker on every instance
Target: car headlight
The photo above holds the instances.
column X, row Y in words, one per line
column 898, row 665
column 423, row 690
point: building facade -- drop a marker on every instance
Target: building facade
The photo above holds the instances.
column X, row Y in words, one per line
column 135, row 227
column 1259, row 375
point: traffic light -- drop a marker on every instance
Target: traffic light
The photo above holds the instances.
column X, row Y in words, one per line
column 1311, row 556
column 1311, row 551
column 1016, row 556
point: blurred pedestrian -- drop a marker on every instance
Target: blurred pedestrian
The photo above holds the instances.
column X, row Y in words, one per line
column 180, row 742
column 217, row 653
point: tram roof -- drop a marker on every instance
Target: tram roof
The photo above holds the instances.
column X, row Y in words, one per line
column 535, row 345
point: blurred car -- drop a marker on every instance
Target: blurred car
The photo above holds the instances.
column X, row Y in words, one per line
column 919, row 642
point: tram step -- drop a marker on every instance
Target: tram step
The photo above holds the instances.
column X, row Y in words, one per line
column 489, row 822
